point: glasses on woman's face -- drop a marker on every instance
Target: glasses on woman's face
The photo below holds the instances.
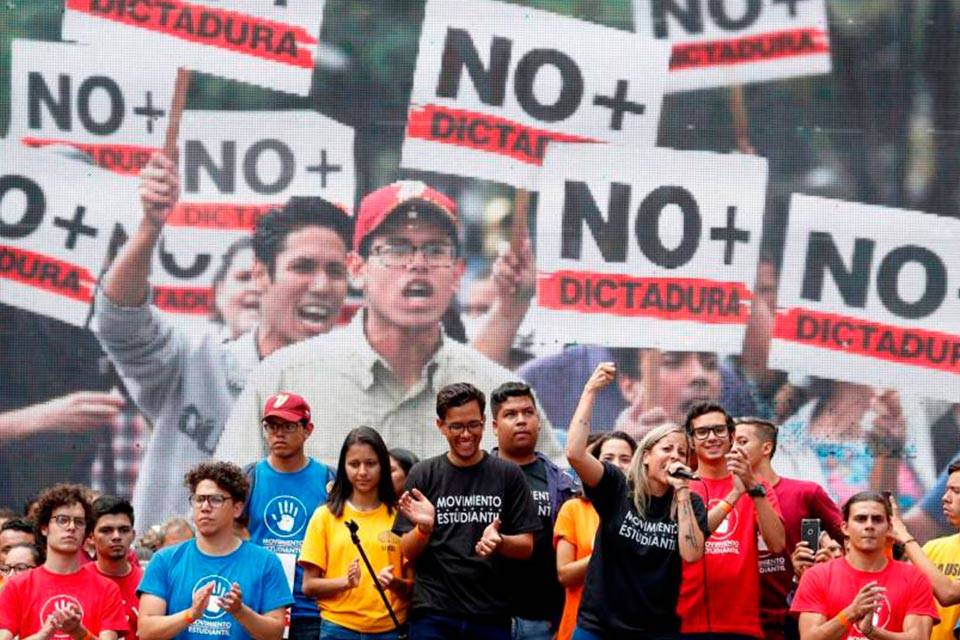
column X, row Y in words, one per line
column 65, row 521
column 703, row 432
column 15, row 569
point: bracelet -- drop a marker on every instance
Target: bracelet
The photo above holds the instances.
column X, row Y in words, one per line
column 188, row 617
column 725, row 506
column 844, row 620
column 908, row 541
column 422, row 534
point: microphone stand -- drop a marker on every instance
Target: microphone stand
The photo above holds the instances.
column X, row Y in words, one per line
column 354, row 528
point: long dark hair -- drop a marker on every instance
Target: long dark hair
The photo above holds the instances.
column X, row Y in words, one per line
column 342, row 489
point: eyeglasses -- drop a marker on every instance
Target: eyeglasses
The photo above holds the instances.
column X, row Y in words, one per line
column 719, row 430
column 284, row 427
column 214, row 499
column 64, row 521
column 475, row 426
column 15, row 569
column 401, row 254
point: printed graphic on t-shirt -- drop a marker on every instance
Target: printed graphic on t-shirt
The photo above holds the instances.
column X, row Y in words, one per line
column 719, row 542
column 542, row 500
column 468, row 509
column 647, row 533
column 213, row 622
column 59, row 602
column 285, row 517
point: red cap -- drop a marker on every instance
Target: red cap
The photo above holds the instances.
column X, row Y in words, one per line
column 287, row 406
column 377, row 206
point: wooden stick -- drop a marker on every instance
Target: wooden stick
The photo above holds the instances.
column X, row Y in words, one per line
column 741, row 121
column 176, row 112
column 649, row 377
column 519, row 230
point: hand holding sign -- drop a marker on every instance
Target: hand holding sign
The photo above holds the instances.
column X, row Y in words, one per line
column 159, row 188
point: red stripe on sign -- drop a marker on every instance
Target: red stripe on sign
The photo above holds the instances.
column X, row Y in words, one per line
column 759, row 48
column 917, row 347
column 221, row 28
column 484, row 132
column 125, row 159
column 699, row 300
column 218, row 215
column 46, row 273
column 188, row 300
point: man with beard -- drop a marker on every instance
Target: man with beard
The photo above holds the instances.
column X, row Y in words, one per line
column 60, row 600
column 187, row 386
column 113, row 534
column 865, row 594
column 463, row 514
column 384, row 369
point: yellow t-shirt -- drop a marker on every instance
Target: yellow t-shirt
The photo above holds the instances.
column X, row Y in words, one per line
column 327, row 545
column 945, row 553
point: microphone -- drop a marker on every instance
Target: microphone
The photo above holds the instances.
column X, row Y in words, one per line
column 686, row 474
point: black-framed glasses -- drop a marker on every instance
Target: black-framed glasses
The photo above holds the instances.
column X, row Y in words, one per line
column 64, row 521
column 215, row 500
column 15, row 569
column 474, row 426
column 283, row 427
column 401, row 254
column 703, row 432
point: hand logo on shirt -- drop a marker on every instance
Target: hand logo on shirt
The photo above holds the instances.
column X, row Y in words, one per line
column 60, row 606
column 285, row 516
column 727, row 527
column 221, row 586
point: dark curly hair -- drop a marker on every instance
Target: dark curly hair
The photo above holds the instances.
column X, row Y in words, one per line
column 457, row 395
column 62, row 495
column 226, row 475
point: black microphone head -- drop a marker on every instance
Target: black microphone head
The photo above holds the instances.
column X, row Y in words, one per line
column 352, row 526
column 683, row 473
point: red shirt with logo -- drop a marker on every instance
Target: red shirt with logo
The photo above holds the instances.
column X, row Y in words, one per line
column 731, row 601
column 128, row 592
column 829, row 587
column 29, row 598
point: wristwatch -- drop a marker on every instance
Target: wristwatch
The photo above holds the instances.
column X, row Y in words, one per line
column 757, row 491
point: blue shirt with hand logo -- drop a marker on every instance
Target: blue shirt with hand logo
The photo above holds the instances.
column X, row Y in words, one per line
column 176, row 573
column 279, row 509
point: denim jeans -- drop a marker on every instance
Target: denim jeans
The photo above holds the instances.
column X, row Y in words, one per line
column 436, row 627
column 533, row 629
column 331, row 631
column 305, row 628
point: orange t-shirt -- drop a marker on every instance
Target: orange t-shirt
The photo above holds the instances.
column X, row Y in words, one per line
column 576, row 523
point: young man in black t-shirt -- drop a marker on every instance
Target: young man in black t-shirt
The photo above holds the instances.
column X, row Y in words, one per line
column 536, row 595
column 463, row 514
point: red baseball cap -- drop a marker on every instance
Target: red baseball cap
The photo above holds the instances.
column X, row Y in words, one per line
column 411, row 197
column 287, row 406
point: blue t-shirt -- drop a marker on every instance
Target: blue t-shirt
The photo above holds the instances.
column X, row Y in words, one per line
column 279, row 509
column 176, row 572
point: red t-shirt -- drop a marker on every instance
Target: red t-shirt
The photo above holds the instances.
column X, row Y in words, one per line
column 798, row 499
column 731, row 602
column 30, row 598
column 829, row 587
column 128, row 593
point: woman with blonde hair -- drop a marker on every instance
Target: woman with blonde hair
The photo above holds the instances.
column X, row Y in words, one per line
column 649, row 522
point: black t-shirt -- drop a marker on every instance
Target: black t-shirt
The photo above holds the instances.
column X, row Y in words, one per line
column 633, row 580
column 536, row 593
column 451, row 579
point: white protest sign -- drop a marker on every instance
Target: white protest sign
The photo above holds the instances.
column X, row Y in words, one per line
column 271, row 43
column 870, row 295
column 731, row 42
column 496, row 82
column 91, row 99
column 235, row 167
column 648, row 247
column 58, row 220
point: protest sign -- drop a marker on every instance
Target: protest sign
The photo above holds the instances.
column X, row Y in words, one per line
column 270, row 44
column 86, row 97
column 235, row 167
column 866, row 303
column 731, row 42
column 58, row 221
column 494, row 84
column 648, row 247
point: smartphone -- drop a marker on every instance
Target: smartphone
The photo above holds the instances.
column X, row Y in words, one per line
column 810, row 532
